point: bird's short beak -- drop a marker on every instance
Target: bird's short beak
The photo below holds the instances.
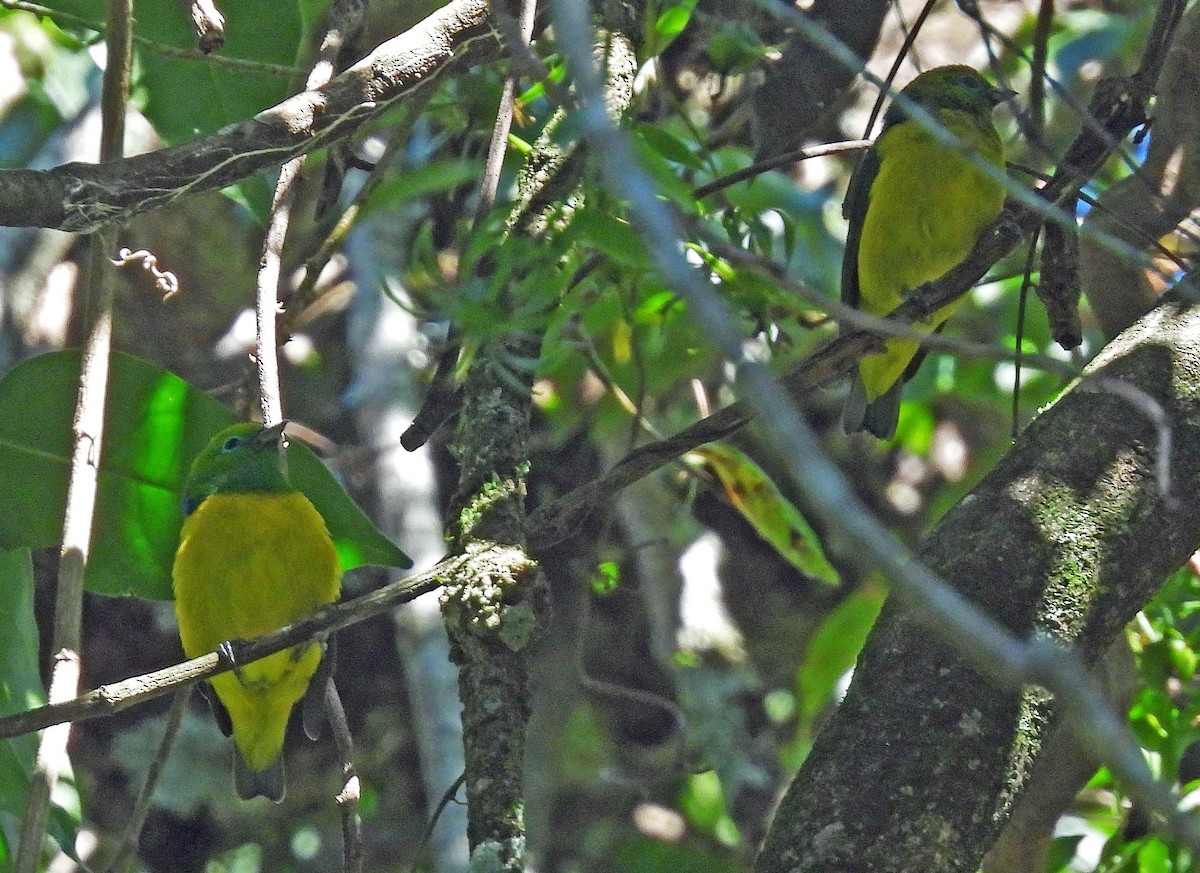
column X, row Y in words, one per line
column 1000, row 95
column 272, row 434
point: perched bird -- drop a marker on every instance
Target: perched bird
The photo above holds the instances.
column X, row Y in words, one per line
column 254, row 555
column 916, row 209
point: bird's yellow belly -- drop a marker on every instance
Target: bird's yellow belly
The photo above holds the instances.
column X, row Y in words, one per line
column 928, row 205
column 247, row 564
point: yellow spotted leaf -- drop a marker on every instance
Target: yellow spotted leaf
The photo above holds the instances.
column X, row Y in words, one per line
column 772, row 515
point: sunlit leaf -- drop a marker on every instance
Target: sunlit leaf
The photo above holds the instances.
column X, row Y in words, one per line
column 835, row 647
column 674, row 18
column 772, row 515
column 155, row 424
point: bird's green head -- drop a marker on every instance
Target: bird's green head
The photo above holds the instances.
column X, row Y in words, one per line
column 242, row 457
column 953, row 87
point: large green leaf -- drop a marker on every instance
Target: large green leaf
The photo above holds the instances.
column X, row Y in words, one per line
column 183, row 97
column 154, row 425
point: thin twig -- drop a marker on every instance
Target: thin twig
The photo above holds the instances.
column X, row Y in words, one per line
column 909, row 39
column 784, row 160
column 522, row 29
column 1037, row 82
column 447, row 799
column 88, row 429
column 1094, row 202
column 141, row 807
column 1022, row 306
column 585, row 344
column 118, row 696
column 348, row 797
column 345, row 18
column 266, row 300
column 1139, row 83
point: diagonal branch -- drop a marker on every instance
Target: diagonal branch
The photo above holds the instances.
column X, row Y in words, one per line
column 117, row 696
column 84, row 197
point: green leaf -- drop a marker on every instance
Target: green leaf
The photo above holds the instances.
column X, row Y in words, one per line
column 404, row 186
column 669, row 146
column 1154, row 857
column 613, row 237
column 20, row 681
column 674, row 18
column 254, row 195
column 154, row 425
column 606, row 579
column 735, row 47
column 184, row 97
column 835, row 647
column 666, row 179
column 773, row 516
column 21, row 689
column 1062, row 850
column 359, row 543
column 643, row 854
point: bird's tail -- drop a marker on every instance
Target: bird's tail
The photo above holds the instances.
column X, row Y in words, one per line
column 879, row 416
column 268, row 783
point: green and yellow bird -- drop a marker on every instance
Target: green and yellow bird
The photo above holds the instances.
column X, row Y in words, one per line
column 254, row 555
column 916, row 209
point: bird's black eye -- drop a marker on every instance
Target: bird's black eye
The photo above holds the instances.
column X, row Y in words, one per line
column 230, row 444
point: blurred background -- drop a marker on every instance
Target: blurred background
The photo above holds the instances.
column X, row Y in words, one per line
column 688, row 663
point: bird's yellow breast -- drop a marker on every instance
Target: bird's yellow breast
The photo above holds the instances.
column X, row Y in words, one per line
column 926, row 209
column 249, row 563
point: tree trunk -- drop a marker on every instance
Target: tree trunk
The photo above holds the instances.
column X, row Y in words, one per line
column 1069, row 536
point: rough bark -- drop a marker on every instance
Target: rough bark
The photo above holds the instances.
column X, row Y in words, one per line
column 494, row 609
column 1069, row 535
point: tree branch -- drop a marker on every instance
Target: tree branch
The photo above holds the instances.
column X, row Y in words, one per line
column 117, row 696
column 88, row 429
column 83, row 197
column 1064, row 540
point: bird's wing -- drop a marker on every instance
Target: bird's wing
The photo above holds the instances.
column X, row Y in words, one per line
column 854, row 208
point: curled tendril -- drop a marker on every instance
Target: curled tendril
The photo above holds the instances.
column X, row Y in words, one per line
column 164, row 280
